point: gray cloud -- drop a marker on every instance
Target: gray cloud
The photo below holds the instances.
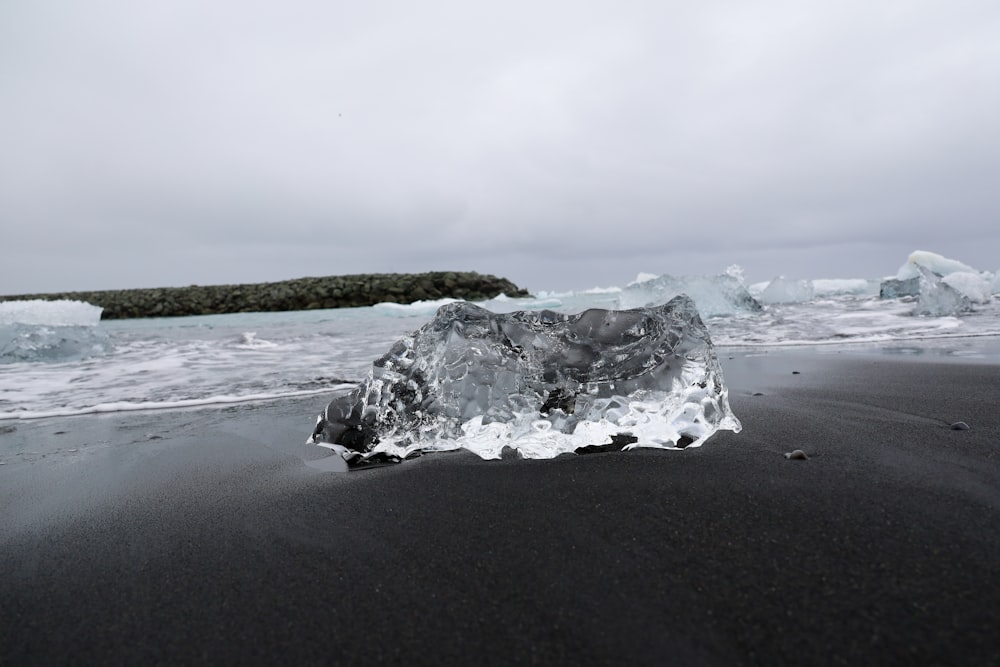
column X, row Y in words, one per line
column 557, row 145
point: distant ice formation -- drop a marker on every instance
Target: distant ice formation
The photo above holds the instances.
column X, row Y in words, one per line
column 540, row 382
column 414, row 309
column 54, row 313
column 783, row 290
column 723, row 294
column 942, row 286
column 975, row 286
column 937, row 298
column 894, row 288
column 933, row 262
column 52, row 331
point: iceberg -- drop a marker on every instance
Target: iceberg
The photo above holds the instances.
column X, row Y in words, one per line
column 62, row 312
column 50, row 331
column 783, row 290
column 893, row 288
column 723, row 294
column 539, row 382
column 933, row 262
column 928, row 271
column 975, row 286
column 938, row 298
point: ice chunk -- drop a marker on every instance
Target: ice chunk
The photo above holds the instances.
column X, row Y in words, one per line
column 893, row 288
column 51, row 331
column 925, row 270
column 933, row 262
column 540, row 382
column 783, row 290
column 722, row 294
column 938, row 298
column 975, row 286
column 62, row 312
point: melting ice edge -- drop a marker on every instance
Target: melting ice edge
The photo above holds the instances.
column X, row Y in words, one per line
column 540, row 382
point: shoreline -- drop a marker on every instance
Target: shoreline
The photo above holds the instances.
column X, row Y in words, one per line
column 203, row 536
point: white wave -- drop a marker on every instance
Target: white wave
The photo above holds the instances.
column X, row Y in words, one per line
column 183, row 362
column 248, row 341
column 134, row 406
column 847, row 320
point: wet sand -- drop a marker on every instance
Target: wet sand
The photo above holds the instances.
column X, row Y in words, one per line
column 203, row 537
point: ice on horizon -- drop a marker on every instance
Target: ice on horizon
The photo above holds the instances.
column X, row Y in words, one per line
column 783, row 290
column 62, row 312
column 817, row 288
column 938, row 264
column 977, row 286
column 50, row 331
column 718, row 295
column 942, row 286
column 939, row 299
column 540, row 382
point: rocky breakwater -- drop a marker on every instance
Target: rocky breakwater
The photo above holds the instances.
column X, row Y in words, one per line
column 298, row 294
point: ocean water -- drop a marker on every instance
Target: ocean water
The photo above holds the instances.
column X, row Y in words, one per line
column 59, row 359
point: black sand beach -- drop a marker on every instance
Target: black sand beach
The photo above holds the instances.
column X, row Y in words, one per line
column 203, row 537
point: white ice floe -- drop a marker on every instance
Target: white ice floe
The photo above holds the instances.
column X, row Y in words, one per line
column 933, row 262
column 50, row 331
column 53, row 313
column 975, row 286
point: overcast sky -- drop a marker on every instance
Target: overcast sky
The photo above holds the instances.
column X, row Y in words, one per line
column 560, row 144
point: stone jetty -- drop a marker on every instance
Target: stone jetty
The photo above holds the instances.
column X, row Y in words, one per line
column 298, row 294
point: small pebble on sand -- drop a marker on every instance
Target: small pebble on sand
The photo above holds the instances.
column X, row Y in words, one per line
column 796, row 455
column 960, row 426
